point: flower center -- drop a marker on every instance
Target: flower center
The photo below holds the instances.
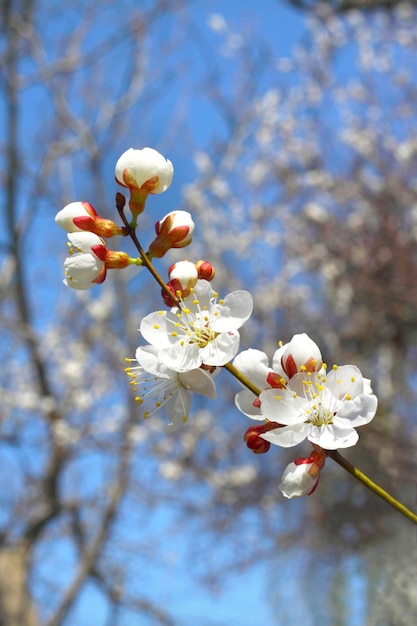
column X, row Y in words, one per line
column 196, row 324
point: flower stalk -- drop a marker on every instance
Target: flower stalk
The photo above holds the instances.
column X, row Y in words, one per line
column 244, row 380
column 356, row 473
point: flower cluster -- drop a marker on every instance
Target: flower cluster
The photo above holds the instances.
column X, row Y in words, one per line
column 300, row 400
column 292, row 398
column 143, row 172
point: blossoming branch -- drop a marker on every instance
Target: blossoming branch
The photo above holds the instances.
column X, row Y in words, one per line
column 292, row 399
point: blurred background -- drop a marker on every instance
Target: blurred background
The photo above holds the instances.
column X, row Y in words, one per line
column 292, row 129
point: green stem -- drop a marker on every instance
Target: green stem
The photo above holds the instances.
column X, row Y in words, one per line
column 240, row 377
column 356, row 473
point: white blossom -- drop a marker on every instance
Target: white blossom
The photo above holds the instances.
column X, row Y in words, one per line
column 204, row 330
column 325, row 409
column 160, row 386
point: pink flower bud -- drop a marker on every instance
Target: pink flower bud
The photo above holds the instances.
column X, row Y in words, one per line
column 205, row 270
column 301, row 354
column 301, row 477
column 81, row 216
column 175, row 230
column 254, row 440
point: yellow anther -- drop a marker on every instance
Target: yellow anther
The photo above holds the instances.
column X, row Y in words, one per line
column 348, row 396
column 215, row 294
column 280, row 344
column 184, row 418
column 156, row 326
column 138, row 400
column 335, row 367
column 221, row 301
column 174, row 334
column 196, row 301
column 352, row 379
column 303, row 368
column 282, row 381
column 278, row 397
column 186, row 311
column 294, row 395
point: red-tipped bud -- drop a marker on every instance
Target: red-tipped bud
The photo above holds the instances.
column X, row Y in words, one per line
column 301, row 477
column 175, row 230
column 143, row 172
column 81, row 216
column 205, row 270
column 254, row 440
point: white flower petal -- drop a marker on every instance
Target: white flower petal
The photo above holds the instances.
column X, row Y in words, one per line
column 221, row 350
column 359, row 411
column 244, row 401
column 346, row 379
column 199, row 381
column 156, row 328
column 181, row 358
column 331, row 436
column 254, row 365
column 287, row 436
column 147, row 357
column 233, row 312
column 178, row 408
column 279, row 405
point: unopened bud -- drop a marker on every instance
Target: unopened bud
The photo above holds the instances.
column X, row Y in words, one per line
column 175, row 230
column 301, row 477
column 205, row 270
column 81, row 216
column 143, row 172
column 254, row 440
